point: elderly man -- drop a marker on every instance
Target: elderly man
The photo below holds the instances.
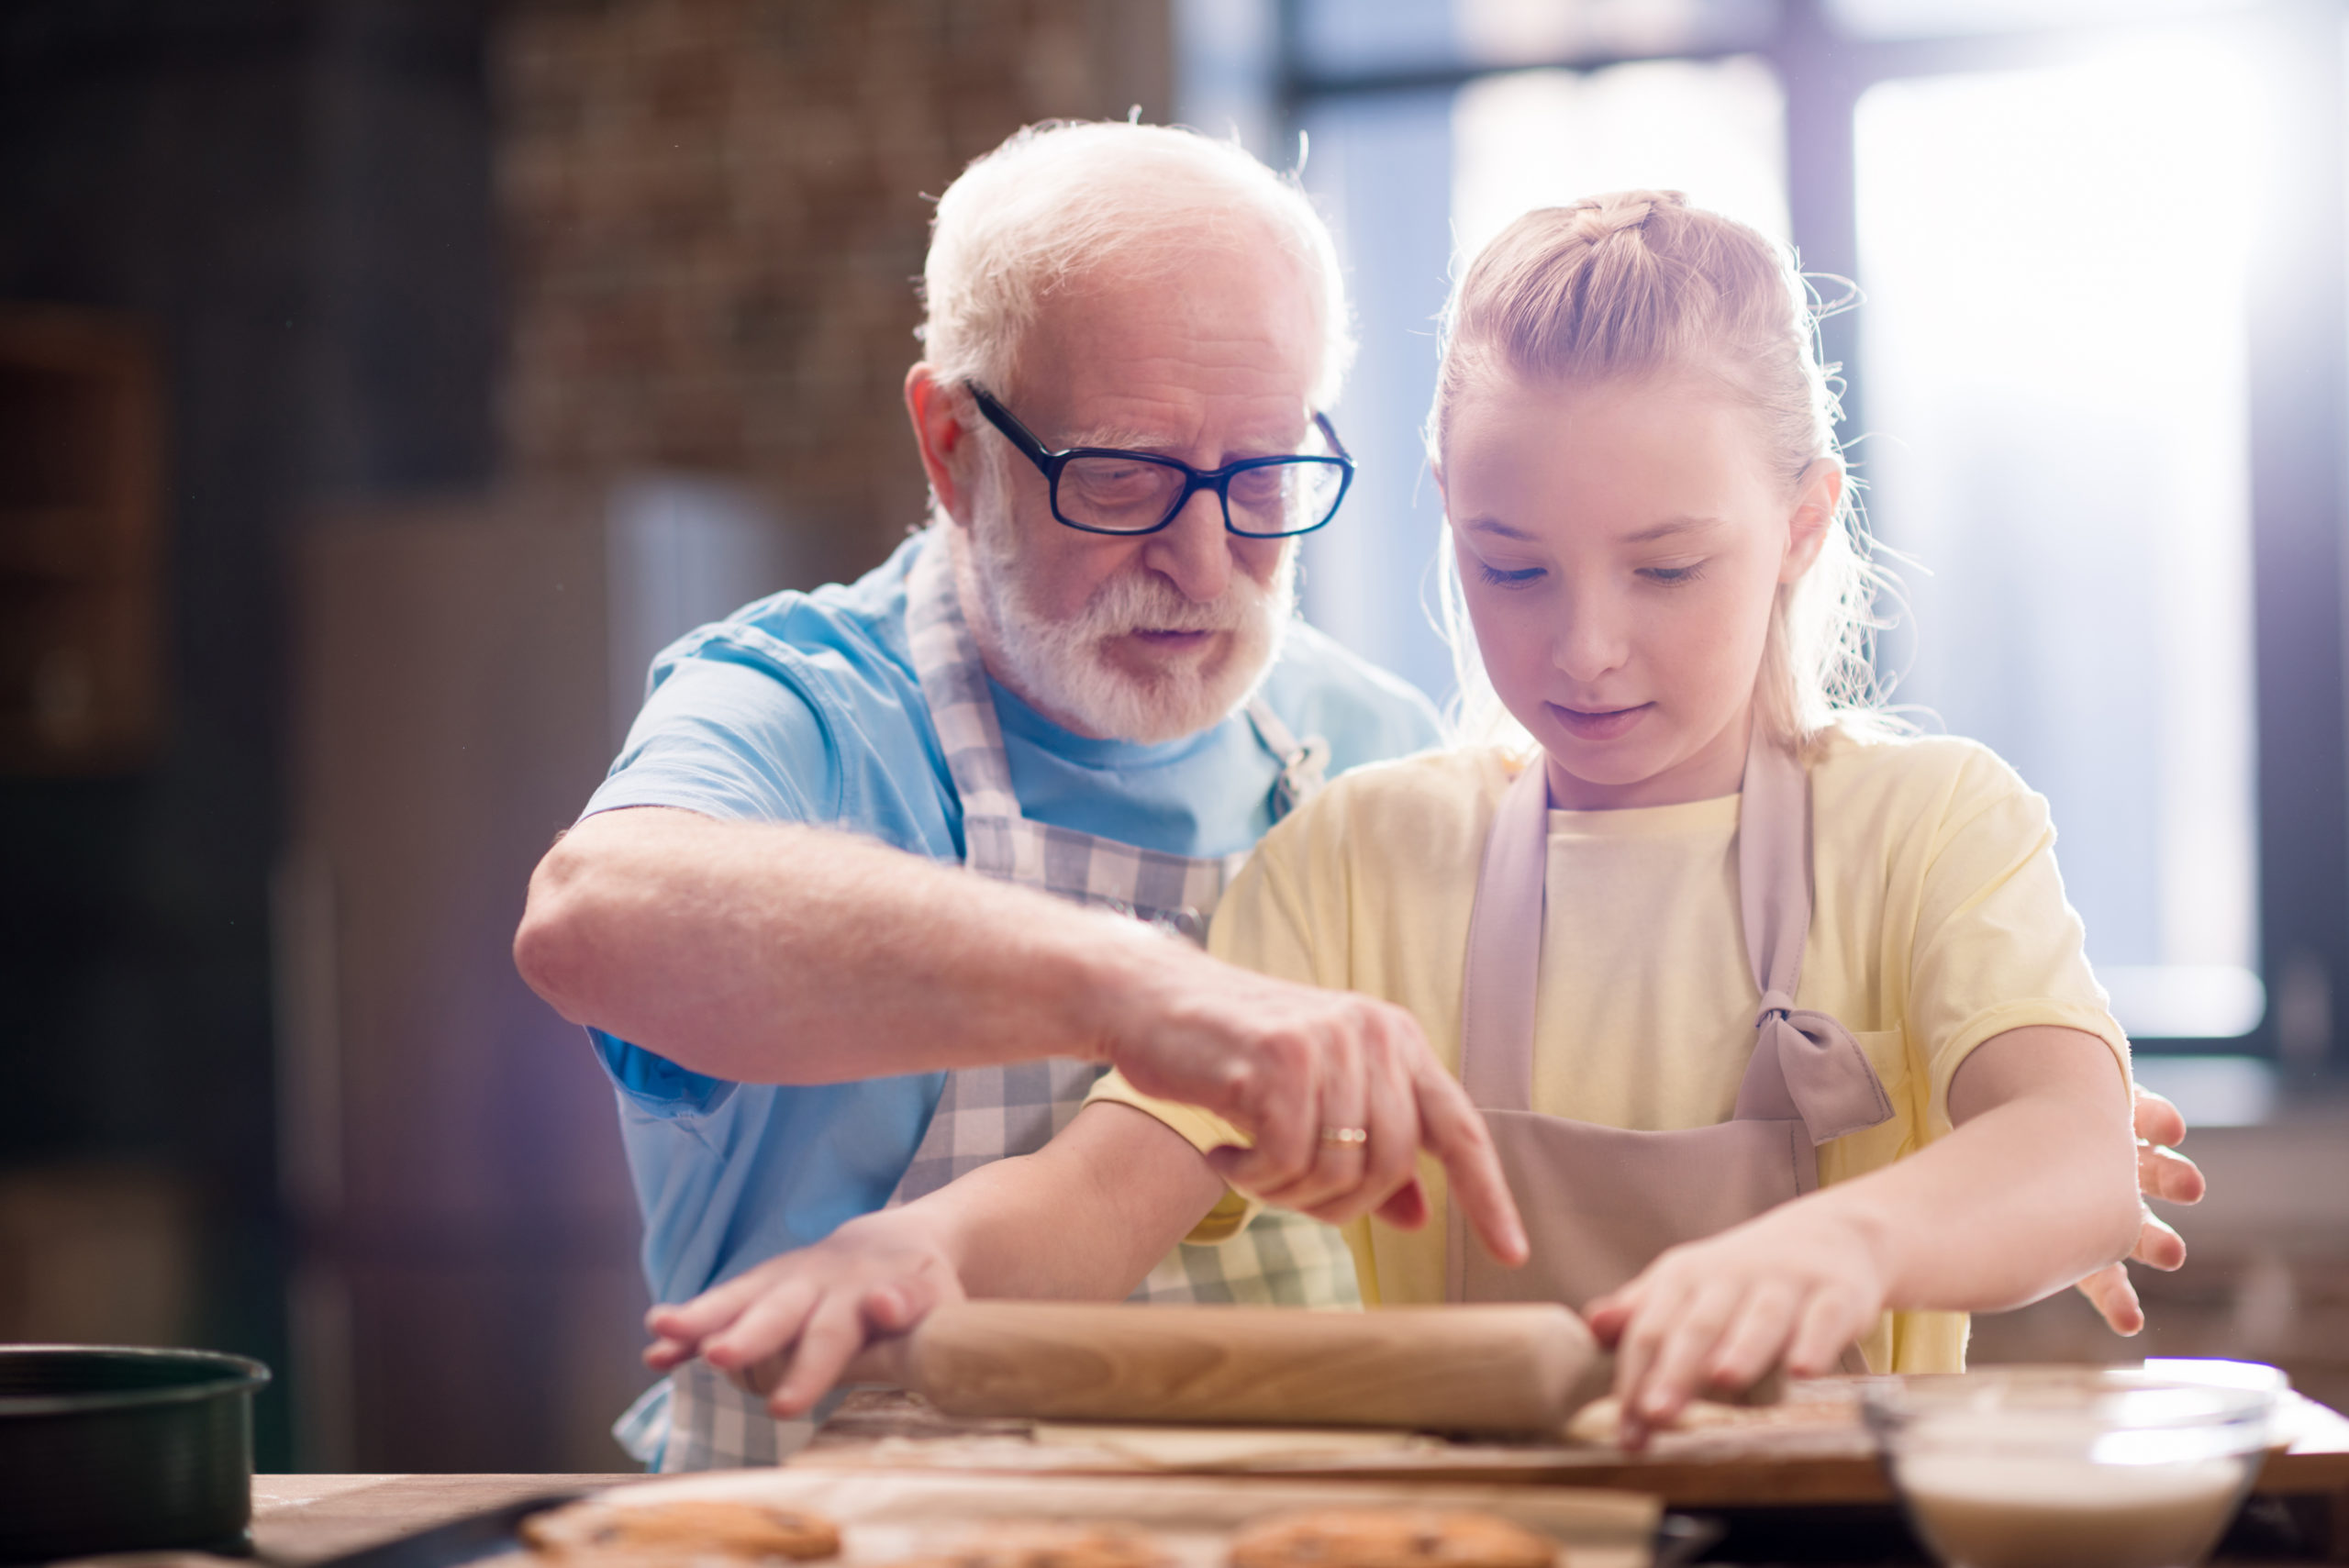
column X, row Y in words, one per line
column 1083, row 682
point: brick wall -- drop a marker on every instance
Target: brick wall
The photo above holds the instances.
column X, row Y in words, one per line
column 713, row 213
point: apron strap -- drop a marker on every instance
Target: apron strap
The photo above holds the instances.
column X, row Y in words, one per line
column 1502, row 980
column 1806, row 1066
column 1303, row 764
column 954, row 684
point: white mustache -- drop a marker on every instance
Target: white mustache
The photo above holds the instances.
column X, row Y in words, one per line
column 1063, row 662
column 1148, row 603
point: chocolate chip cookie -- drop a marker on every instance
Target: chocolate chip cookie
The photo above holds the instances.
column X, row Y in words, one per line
column 689, row 1528
column 1389, row 1538
column 1043, row 1545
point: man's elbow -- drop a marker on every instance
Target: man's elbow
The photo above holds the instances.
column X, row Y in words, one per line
column 554, row 946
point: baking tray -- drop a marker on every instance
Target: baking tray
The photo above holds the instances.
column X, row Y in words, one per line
column 883, row 1518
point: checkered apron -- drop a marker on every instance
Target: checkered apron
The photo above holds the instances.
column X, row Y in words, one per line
column 991, row 1113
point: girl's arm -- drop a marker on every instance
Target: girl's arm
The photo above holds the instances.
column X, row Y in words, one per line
column 2034, row 1188
column 1086, row 1218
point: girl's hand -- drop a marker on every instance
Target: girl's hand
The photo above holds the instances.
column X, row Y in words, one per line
column 792, row 1323
column 2163, row 1174
column 1794, row 1287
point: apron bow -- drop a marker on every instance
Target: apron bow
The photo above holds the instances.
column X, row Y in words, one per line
column 1824, row 1075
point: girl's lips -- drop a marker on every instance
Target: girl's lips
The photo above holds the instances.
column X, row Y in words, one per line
column 1598, row 726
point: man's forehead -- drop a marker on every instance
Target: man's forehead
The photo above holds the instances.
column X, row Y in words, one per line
column 1176, row 420
column 1122, row 422
column 1166, row 384
column 1206, row 315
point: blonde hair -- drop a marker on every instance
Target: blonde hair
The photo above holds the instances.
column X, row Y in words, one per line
column 1060, row 199
column 1638, row 283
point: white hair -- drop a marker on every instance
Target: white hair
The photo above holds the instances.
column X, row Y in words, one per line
column 1061, row 198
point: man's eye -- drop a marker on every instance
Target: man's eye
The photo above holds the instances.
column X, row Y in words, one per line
column 1258, row 487
column 1500, row 579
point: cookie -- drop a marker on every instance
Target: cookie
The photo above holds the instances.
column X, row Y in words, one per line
column 1809, row 1407
column 1601, row 1422
column 1045, row 1546
column 696, row 1528
column 1389, row 1538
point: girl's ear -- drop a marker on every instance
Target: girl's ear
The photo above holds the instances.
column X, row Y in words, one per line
column 1817, row 495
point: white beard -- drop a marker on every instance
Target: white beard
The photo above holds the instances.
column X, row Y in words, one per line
column 1062, row 667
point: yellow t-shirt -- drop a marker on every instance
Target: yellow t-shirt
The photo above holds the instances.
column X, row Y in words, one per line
column 1938, row 921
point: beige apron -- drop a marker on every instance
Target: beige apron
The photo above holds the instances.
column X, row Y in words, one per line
column 1600, row 1203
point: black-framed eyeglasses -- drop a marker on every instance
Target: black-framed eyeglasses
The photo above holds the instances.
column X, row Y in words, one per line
column 1104, row 490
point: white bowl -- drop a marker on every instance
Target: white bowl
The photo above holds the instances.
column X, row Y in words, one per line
column 2073, row 1467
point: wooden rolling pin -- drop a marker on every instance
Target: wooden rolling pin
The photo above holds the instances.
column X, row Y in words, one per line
column 1516, row 1370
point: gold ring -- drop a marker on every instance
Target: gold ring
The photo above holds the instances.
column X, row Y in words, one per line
column 1345, row 1135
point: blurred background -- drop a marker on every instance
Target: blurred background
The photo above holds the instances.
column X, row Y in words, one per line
column 382, row 381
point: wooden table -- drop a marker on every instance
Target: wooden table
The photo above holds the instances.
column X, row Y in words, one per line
column 1828, row 1461
column 303, row 1519
column 300, row 1520
column 1822, row 1471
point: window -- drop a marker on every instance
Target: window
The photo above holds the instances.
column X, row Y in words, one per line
column 2097, row 388
column 2056, row 395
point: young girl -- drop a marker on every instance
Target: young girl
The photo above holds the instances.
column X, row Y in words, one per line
column 1779, row 1019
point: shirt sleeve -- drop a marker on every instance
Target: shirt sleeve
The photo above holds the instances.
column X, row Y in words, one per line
column 1997, row 947
column 730, row 739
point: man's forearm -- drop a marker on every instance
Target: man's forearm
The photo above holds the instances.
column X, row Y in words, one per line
column 779, row 953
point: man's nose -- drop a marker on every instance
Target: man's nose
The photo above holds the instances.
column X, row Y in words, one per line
column 1193, row 552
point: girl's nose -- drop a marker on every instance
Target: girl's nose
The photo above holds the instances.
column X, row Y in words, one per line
column 1590, row 641
column 1193, row 552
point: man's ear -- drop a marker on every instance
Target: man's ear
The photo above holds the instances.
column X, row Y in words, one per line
column 947, row 452
column 1817, row 495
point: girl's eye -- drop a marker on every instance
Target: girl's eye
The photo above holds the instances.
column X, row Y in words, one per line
column 1499, row 579
column 1673, row 573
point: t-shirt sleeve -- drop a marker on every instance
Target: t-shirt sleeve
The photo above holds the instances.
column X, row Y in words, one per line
column 1254, row 927
column 736, row 740
column 730, row 740
column 1266, row 921
column 1996, row 946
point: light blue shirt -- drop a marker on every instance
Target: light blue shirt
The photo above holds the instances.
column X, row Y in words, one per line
column 805, row 707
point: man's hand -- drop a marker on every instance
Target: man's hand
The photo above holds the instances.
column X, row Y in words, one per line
column 2163, row 1174
column 1292, row 1066
column 792, row 1323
